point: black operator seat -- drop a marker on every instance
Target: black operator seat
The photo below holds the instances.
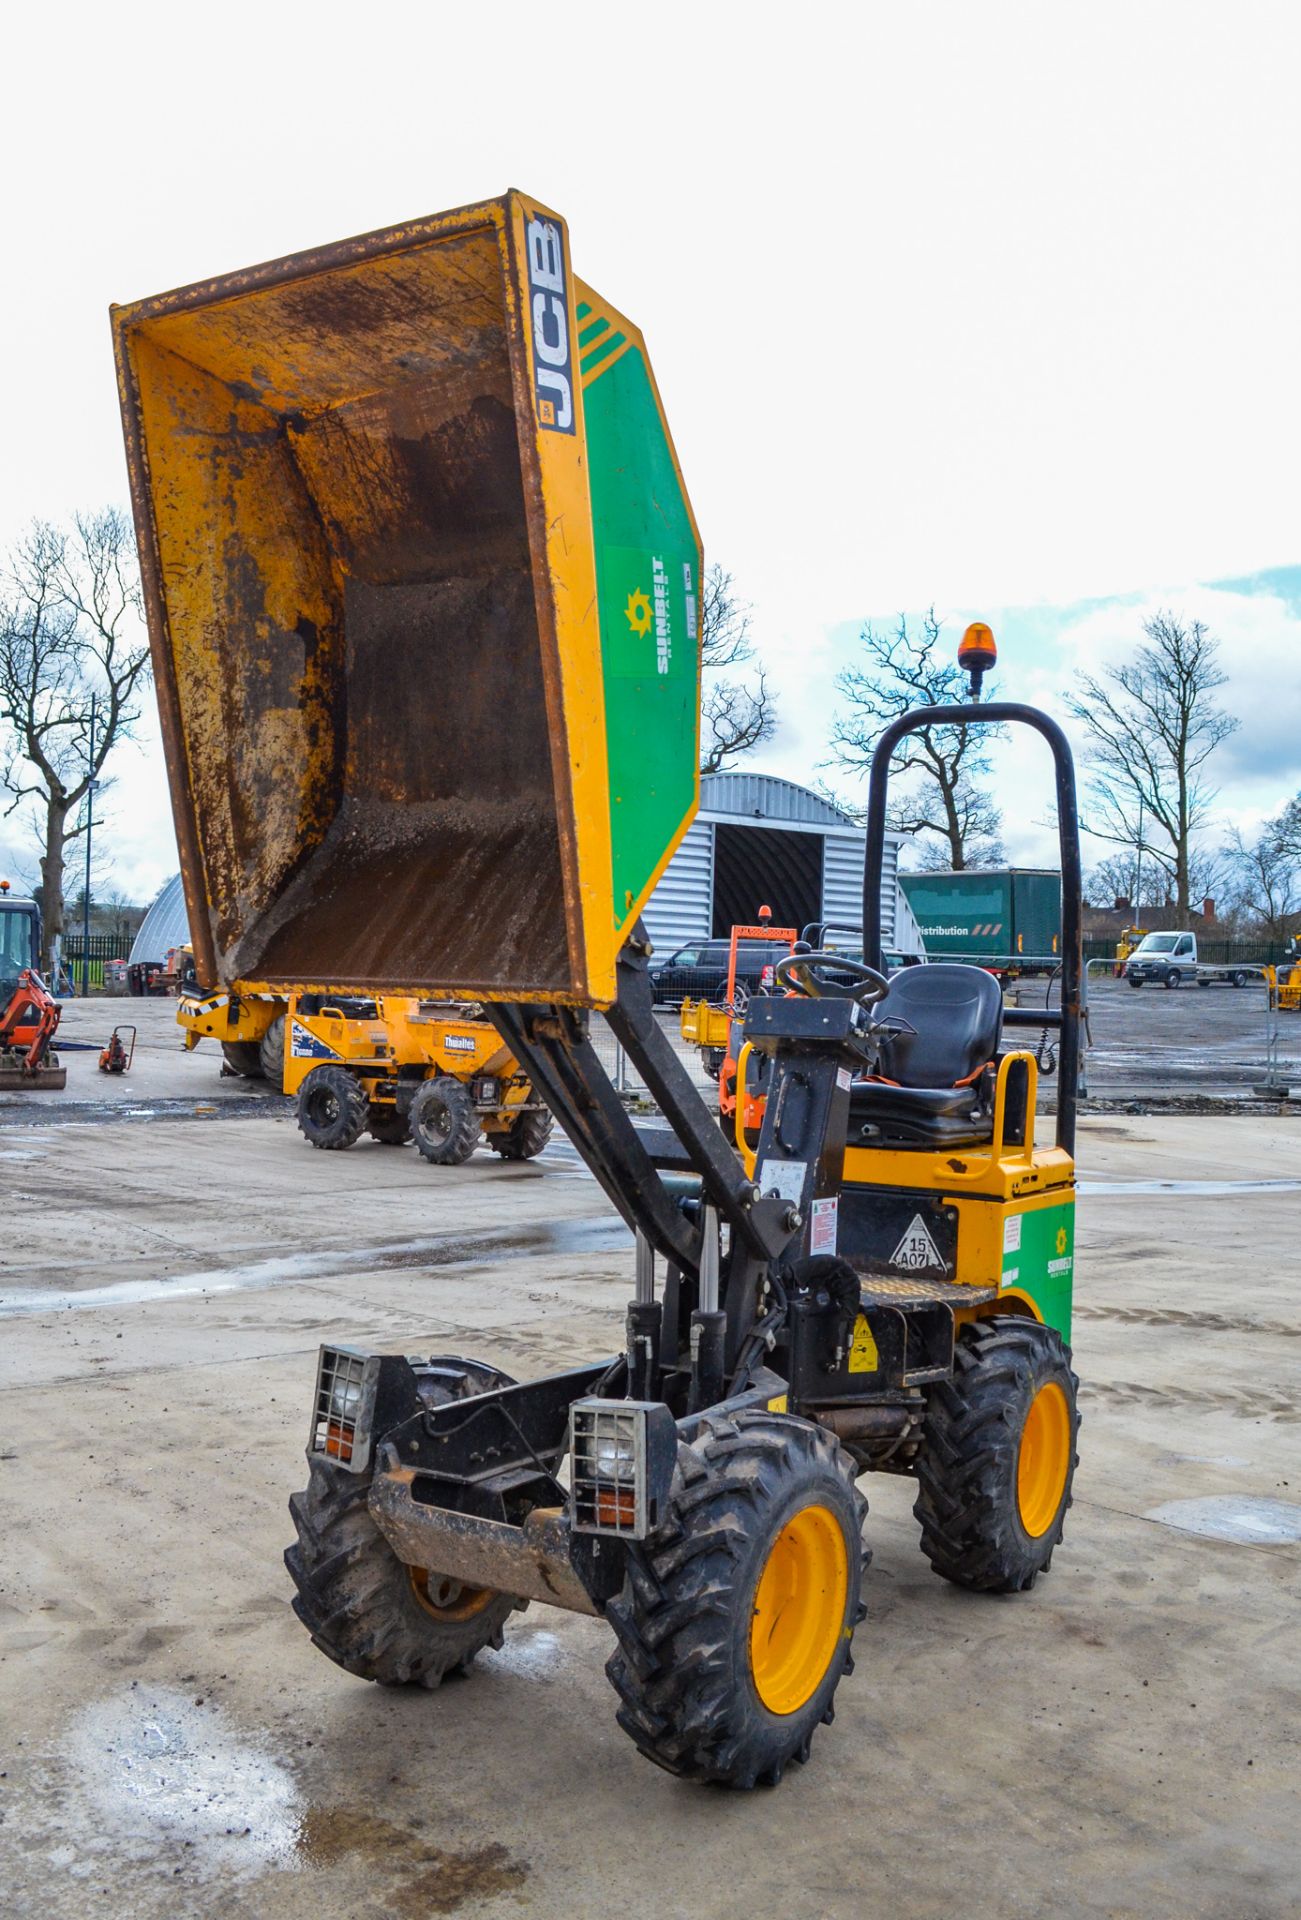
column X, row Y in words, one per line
column 942, row 1028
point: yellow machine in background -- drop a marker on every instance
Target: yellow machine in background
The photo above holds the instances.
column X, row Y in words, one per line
column 400, row 1069
column 248, row 1022
column 1285, row 979
column 1125, row 945
column 396, row 1067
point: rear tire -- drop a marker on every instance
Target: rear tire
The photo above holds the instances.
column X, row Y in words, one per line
column 332, row 1108
column 1237, row 979
column 243, row 1058
column 525, row 1138
column 444, row 1124
column 736, row 1616
column 998, row 1455
column 271, row 1048
column 367, row 1611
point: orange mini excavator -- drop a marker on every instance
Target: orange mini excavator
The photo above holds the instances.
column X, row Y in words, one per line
column 29, row 1013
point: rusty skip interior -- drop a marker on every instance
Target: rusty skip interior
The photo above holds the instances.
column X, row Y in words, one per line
column 351, row 630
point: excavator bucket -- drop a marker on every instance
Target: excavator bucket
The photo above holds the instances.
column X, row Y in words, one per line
column 423, row 590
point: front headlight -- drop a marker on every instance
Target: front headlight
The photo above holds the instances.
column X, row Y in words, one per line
column 345, row 1399
column 612, row 1457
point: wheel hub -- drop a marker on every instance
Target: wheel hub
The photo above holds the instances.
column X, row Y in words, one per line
column 447, row 1599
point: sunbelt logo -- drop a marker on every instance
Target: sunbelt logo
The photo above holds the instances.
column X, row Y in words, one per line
column 652, row 609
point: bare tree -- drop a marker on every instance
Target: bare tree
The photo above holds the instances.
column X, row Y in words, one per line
column 1121, row 876
column 735, row 715
column 1289, row 827
column 1267, row 874
column 70, row 632
column 1153, row 725
column 947, row 811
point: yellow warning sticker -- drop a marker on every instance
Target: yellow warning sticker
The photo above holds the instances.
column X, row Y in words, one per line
column 863, row 1356
column 779, row 1404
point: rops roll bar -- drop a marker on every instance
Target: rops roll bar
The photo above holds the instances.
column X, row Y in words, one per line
column 994, row 713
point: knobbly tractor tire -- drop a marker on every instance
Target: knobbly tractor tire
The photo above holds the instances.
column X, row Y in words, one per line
column 386, row 1125
column 997, row 1456
column 525, row 1138
column 368, row 1612
column 243, row 1058
column 444, row 1124
column 736, row 1616
column 332, row 1108
column 271, row 1051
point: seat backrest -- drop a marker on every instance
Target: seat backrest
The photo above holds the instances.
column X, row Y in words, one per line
column 958, row 1016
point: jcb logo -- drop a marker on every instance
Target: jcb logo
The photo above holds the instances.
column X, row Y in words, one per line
column 552, row 382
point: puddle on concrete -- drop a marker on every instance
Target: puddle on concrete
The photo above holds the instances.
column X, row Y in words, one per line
column 432, row 1879
column 1227, row 1516
column 1202, row 1460
column 604, row 1234
column 158, row 1777
column 1189, row 1186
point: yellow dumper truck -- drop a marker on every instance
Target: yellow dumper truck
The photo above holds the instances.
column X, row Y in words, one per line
column 422, row 582
column 397, row 1067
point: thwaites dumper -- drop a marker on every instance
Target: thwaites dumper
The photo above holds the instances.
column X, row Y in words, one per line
column 422, row 582
column 401, row 1069
column 394, row 1066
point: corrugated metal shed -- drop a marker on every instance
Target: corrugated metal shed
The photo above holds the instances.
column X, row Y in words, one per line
column 682, row 905
column 762, row 796
column 165, row 925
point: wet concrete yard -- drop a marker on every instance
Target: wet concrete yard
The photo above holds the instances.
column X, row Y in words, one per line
column 1121, row 1742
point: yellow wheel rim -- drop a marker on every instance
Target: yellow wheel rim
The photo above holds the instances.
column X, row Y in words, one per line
column 799, row 1609
column 1044, row 1459
column 447, row 1599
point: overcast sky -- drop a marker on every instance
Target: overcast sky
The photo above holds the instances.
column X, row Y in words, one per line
column 993, row 307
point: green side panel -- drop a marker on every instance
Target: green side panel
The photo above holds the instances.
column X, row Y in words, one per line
column 648, row 583
column 1039, row 1260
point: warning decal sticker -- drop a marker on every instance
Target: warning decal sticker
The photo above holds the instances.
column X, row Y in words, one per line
column 917, row 1252
column 863, row 1356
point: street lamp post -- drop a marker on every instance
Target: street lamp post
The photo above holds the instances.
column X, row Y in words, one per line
column 85, row 899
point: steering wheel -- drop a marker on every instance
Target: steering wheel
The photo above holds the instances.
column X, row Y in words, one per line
column 832, row 976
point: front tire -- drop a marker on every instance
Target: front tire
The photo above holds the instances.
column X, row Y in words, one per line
column 444, row 1124
column 368, row 1612
column 1133, row 982
column 332, row 1108
column 998, row 1455
column 736, row 1616
column 1172, row 977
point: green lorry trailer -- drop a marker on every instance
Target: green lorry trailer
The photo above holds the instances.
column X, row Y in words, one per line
column 1008, row 918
